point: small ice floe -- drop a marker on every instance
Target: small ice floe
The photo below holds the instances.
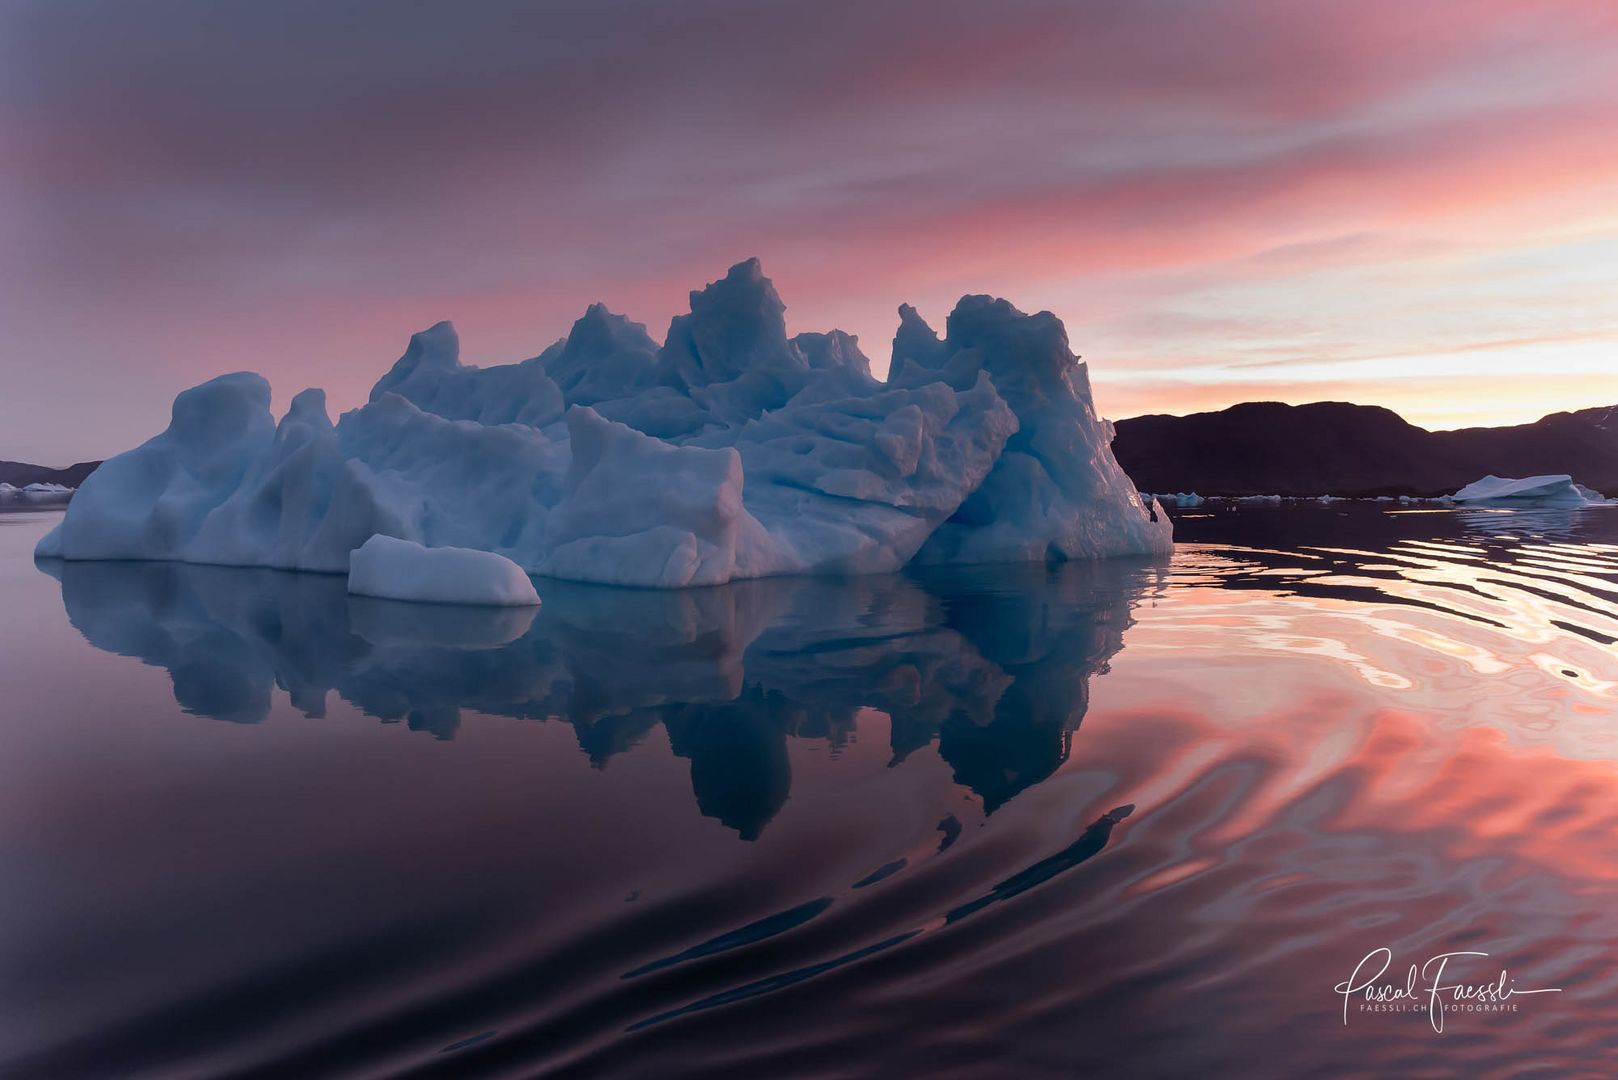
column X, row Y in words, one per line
column 395, row 569
column 1179, row 498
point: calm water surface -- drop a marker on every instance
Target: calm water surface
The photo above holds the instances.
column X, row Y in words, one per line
column 1130, row 819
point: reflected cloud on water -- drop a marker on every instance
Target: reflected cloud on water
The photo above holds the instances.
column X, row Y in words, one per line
column 991, row 664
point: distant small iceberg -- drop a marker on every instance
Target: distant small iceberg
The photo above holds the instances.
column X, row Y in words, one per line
column 38, row 492
column 1551, row 490
column 1182, row 500
column 1179, row 499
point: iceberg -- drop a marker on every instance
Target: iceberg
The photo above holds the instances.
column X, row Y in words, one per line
column 1551, row 490
column 36, row 492
column 731, row 451
column 395, row 569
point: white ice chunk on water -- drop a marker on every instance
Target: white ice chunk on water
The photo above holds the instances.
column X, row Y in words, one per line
column 395, row 569
column 1549, row 490
column 731, row 451
column 1180, row 499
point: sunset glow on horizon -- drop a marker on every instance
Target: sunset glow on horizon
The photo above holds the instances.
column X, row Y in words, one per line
column 1408, row 205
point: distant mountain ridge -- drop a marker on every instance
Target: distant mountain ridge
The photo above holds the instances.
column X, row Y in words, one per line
column 21, row 474
column 1336, row 448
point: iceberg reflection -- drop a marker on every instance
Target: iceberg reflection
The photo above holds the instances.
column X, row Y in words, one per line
column 993, row 664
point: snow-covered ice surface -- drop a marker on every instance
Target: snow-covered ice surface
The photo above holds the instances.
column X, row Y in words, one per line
column 395, row 569
column 730, row 451
column 1551, row 490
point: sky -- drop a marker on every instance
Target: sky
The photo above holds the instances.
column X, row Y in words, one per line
column 1406, row 204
